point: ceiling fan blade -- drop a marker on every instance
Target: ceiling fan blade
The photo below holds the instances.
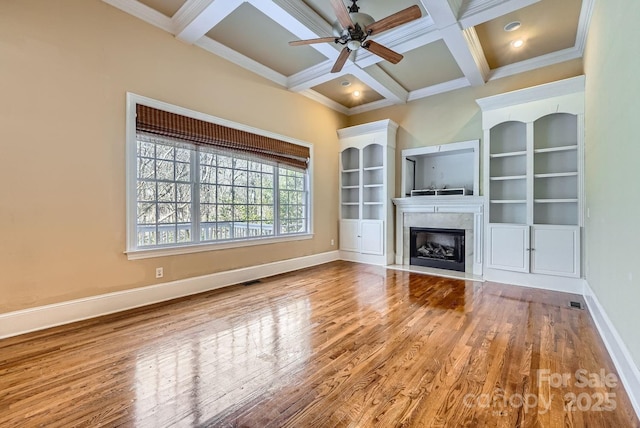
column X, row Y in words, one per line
column 342, row 58
column 311, row 41
column 406, row 15
column 382, row 51
column 342, row 14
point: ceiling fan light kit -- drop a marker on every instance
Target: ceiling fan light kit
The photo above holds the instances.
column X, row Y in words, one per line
column 352, row 29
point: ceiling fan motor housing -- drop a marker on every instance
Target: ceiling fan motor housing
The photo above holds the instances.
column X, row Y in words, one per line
column 360, row 21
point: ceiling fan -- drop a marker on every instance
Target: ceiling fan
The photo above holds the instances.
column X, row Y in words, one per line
column 353, row 28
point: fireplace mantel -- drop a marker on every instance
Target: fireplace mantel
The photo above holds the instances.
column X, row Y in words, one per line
column 472, row 205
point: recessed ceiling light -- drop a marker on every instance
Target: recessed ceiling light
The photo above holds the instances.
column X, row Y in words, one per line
column 512, row 26
column 356, row 93
column 517, row 43
column 345, row 83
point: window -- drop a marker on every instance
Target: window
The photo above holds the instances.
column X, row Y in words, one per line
column 190, row 195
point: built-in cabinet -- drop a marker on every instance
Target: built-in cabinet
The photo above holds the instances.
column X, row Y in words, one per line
column 367, row 182
column 533, row 179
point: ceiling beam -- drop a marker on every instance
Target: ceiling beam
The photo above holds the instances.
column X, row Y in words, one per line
column 316, row 75
column 299, row 19
column 470, row 60
column 403, row 39
column 197, row 17
column 243, row 61
column 378, row 80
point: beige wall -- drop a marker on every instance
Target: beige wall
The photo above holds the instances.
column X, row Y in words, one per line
column 613, row 165
column 65, row 67
column 455, row 116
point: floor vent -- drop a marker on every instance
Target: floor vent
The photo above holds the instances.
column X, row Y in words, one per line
column 576, row 305
column 253, row 281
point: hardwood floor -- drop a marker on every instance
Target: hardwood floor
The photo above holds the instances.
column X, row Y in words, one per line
column 340, row 344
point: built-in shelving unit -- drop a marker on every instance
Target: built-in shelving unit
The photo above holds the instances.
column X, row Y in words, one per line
column 533, row 179
column 367, row 180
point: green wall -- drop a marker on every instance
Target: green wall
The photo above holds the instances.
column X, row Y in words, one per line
column 612, row 168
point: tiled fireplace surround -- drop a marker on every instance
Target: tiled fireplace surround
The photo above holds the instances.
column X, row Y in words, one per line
column 450, row 212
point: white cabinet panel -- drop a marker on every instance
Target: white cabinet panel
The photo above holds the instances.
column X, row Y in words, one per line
column 349, row 231
column 372, row 237
column 367, row 183
column 508, row 247
column 555, row 250
column 534, row 181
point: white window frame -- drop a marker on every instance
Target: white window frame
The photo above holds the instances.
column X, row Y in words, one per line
column 132, row 251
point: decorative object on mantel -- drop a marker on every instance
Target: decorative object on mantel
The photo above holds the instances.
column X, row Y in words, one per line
column 458, row 191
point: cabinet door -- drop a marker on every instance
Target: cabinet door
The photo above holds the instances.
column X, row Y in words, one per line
column 349, row 235
column 372, row 238
column 508, row 247
column 555, row 250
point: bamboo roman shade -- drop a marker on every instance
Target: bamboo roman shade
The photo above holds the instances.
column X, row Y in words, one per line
column 150, row 120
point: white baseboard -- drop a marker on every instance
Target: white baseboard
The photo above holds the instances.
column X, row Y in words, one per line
column 627, row 370
column 39, row 318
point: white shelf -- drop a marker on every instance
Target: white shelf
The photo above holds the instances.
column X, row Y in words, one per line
column 372, row 168
column 373, row 185
column 508, row 154
column 508, row 177
column 350, row 203
column 373, row 203
column 508, row 201
column 556, row 174
column 554, row 201
column 557, row 149
column 351, row 187
column 351, row 170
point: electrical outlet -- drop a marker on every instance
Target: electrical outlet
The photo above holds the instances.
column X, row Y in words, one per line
column 159, row 272
column 333, row 242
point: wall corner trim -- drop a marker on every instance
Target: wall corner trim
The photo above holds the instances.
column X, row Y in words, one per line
column 627, row 370
column 42, row 317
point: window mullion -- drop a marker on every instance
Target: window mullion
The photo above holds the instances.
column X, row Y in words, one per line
column 276, row 200
column 195, row 195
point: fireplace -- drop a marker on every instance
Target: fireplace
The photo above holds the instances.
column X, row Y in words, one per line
column 437, row 248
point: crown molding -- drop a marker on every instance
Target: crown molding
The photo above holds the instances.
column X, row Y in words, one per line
column 584, row 23
column 474, row 12
column 383, row 125
column 535, row 63
column 475, row 48
column 440, row 88
column 143, row 12
column 187, row 13
column 548, row 90
column 208, row 18
column 327, row 102
column 370, row 106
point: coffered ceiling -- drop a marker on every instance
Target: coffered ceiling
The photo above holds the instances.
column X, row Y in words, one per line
column 455, row 44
